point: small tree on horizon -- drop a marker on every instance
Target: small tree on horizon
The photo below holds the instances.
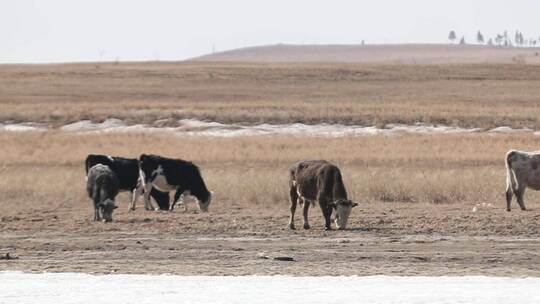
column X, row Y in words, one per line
column 499, row 39
column 518, row 39
column 462, row 41
column 490, row 42
column 480, row 38
column 452, row 36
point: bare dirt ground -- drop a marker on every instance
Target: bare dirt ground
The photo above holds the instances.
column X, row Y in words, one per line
column 383, row 238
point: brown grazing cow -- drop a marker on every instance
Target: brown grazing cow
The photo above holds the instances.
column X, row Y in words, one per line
column 319, row 181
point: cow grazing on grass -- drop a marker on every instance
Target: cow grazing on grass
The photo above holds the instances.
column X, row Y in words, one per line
column 102, row 186
column 319, row 181
column 168, row 174
column 127, row 171
column 523, row 171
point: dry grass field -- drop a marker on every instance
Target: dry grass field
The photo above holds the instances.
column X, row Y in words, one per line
column 416, row 195
column 482, row 96
column 428, row 204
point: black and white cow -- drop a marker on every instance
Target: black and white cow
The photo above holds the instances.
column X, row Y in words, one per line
column 102, row 186
column 167, row 174
column 127, row 171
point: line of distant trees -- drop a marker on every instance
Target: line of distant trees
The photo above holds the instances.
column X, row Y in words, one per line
column 503, row 39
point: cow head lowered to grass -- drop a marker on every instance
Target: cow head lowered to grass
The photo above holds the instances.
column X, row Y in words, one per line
column 342, row 208
column 102, row 186
column 167, row 174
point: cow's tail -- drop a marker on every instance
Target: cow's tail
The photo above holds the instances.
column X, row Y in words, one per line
column 511, row 181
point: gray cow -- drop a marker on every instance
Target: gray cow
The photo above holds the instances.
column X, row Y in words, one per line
column 523, row 171
column 319, row 181
column 102, row 186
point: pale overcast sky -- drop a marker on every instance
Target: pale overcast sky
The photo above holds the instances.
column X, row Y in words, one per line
column 90, row 30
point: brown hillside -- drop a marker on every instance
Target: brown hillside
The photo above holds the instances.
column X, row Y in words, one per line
column 380, row 54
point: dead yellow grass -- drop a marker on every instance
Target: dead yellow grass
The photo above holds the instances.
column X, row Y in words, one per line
column 38, row 170
column 465, row 95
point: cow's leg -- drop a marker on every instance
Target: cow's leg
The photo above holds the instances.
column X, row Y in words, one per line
column 519, row 195
column 508, row 197
column 182, row 201
column 135, row 196
column 96, row 200
column 294, row 200
column 305, row 214
column 178, row 196
column 326, row 211
column 96, row 215
column 175, row 199
column 511, row 188
column 147, row 203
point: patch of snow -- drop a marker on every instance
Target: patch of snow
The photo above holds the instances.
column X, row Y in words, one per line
column 194, row 127
column 194, row 123
column 87, row 125
column 23, row 127
column 508, row 130
column 430, row 129
column 58, row 288
column 212, row 129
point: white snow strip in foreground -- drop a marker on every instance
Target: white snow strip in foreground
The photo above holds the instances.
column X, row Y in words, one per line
column 61, row 288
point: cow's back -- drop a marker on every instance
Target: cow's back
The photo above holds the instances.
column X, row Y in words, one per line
column 126, row 169
column 309, row 176
column 180, row 172
column 102, row 180
column 94, row 159
column 526, row 167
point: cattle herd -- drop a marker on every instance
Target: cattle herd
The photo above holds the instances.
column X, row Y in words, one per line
column 151, row 175
column 310, row 182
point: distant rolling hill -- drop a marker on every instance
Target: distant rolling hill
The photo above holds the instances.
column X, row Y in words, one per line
column 380, row 54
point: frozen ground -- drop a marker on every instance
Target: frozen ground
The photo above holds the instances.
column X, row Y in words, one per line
column 192, row 127
column 58, row 288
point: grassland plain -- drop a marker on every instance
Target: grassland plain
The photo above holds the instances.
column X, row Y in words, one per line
column 429, row 204
column 482, row 96
column 416, row 194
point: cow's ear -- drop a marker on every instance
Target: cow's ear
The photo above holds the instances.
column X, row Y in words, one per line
column 354, row 204
column 115, row 207
column 142, row 157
